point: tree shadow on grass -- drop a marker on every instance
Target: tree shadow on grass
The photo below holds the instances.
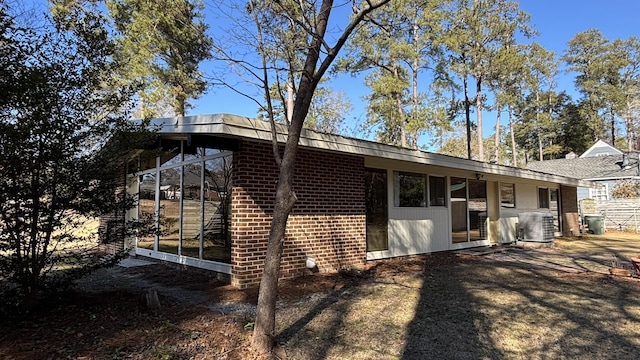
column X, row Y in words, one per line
column 331, row 310
column 447, row 324
column 490, row 309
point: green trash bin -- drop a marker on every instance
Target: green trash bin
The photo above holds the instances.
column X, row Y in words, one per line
column 595, row 223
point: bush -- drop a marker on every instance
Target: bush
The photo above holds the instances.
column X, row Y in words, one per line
column 57, row 110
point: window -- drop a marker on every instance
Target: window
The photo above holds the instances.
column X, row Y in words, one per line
column 409, row 189
column 437, row 191
column 184, row 204
column 543, row 198
column 507, row 195
column 600, row 193
column 377, row 209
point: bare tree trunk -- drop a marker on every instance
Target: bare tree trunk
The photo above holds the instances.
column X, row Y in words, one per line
column 540, row 153
column 263, row 333
column 401, row 114
column 290, row 97
column 263, row 336
column 496, row 139
column 613, row 127
column 514, row 155
column 628, row 126
column 541, row 157
column 414, row 69
column 467, row 113
column 479, row 117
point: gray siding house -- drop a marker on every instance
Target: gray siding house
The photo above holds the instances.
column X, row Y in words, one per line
column 602, row 164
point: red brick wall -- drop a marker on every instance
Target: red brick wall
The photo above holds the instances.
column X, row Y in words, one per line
column 327, row 222
column 569, row 206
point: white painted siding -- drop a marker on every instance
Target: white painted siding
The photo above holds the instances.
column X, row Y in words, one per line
column 526, row 200
column 418, row 230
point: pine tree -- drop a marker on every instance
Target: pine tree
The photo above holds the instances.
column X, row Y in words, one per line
column 162, row 44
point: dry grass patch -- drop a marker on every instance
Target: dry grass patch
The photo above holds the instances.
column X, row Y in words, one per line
column 474, row 310
column 618, row 243
column 522, row 304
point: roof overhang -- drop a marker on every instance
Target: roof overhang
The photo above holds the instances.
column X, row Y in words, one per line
column 226, row 125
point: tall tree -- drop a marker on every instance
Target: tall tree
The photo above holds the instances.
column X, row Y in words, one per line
column 587, row 55
column 397, row 48
column 505, row 84
column 574, row 135
column 162, row 42
column 628, row 88
column 476, row 31
column 540, row 81
column 310, row 19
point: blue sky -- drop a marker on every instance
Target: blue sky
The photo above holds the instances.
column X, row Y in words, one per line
column 556, row 20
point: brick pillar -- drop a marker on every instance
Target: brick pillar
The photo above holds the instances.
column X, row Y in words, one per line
column 569, row 206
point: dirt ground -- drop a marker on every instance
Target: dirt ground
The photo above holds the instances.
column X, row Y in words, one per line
column 202, row 318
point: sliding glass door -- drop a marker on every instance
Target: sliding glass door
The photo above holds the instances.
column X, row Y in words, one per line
column 468, row 210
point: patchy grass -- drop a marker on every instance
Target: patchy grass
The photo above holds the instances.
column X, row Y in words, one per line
column 473, row 310
column 618, row 243
column 524, row 304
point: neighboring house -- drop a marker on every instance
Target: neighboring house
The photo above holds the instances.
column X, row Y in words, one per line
column 601, row 163
column 357, row 200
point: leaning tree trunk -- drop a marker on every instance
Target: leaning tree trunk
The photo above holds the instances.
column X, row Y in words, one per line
column 311, row 74
column 263, row 332
column 285, row 200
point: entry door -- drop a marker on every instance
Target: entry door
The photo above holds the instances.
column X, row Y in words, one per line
column 377, row 209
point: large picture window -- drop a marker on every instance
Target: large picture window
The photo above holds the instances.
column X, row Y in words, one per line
column 184, row 204
column 413, row 190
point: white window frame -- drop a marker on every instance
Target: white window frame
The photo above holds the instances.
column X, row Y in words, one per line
column 599, row 193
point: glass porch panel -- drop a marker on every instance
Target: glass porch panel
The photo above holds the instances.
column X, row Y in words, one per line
column 216, row 193
column 477, row 210
column 458, row 191
column 376, row 210
column 191, row 210
column 169, row 215
column 171, row 157
column 147, row 211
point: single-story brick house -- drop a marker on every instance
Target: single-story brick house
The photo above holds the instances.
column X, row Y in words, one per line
column 209, row 192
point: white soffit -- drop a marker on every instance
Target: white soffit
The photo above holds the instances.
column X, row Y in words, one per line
column 242, row 127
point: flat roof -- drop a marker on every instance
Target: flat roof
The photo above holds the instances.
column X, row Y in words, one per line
column 246, row 128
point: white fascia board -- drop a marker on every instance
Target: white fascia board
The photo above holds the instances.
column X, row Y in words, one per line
column 242, row 127
column 615, row 178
